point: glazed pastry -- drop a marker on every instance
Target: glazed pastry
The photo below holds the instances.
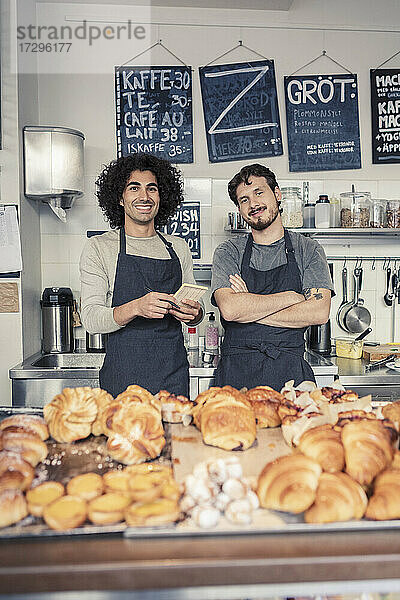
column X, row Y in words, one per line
column 265, row 402
column 42, row 495
column 333, row 395
column 391, row 411
column 367, row 448
column 352, row 416
column 139, row 394
column 385, row 502
column 65, row 513
column 13, row 507
column 28, row 422
column 289, row 483
column 324, row 445
column 159, row 512
column 175, row 409
column 86, row 486
column 15, row 472
column 131, row 451
column 26, row 443
column 70, row 414
column 338, row 498
column 102, row 399
column 225, row 419
column 108, row 509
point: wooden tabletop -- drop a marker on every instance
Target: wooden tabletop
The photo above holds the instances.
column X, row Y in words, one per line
column 114, row 563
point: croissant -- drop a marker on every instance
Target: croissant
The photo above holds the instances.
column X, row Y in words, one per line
column 367, row 448
column 70, row 414
column 15, row 472
column 226, row 419
column 102, row 399
column 289, row 483
column 13, row 507
column 396, row 460
column 385, row 501
column 392, row 411
column 27, row 444
column 324, row 445
column 338, row 498
column 32, row 423
column 265, row 401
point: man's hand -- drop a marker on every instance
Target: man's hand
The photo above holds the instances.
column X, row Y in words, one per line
column 188, row 311
column 154, row 305
column 237, row 283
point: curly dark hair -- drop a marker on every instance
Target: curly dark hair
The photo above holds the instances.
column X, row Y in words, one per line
column 255, row 170
column 114, row 177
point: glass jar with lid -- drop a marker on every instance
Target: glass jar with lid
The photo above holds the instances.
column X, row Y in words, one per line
column 355, row 209
column 378, row 213
column 292, row 207
column 393, row 213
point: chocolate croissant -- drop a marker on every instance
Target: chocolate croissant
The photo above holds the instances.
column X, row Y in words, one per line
column 265, row 401
column 324, row 445
column 225, row 419
column 368, row 449
column 385, row 502
column 338, row 498
column 70, row 414
column 289, row 483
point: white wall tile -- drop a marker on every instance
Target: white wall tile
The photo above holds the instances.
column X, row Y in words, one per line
column 220, row 195
column 388, row 189
column 56, row 275
column 55, row 249
column 198, row 190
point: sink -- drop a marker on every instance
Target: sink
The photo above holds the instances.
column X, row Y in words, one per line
column 70, row 361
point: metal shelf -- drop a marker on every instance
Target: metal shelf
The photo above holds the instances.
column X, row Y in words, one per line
column 337, row 231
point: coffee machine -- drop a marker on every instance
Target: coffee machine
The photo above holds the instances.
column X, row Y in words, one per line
column 57, row 326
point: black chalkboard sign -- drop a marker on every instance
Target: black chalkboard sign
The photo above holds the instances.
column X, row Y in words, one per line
column 154, row 112
column 385, row 113
column 322, row 122
column 186, row 224
column 241, row 111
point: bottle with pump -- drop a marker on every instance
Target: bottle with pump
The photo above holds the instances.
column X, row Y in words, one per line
column 211, row 334
column 322, row 212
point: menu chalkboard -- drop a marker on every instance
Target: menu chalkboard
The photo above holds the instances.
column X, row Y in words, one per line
column 241, row 111
column 385, row 113
column 185, row 223
column 154, row 112
column 322, row 122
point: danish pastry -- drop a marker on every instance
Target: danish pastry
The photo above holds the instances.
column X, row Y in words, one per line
column 108, row 509
column 338, row 498
column 159, row 512
column 368, row 449
column 86, row 486
column 15, row 472
column 175, row 409
column 289, row 483
column 265, row 402
column 102, row 399
column 324, row 445
column 64, row 513
column 28, row 422
column 13, row 507
column 42, row 495
column 139, row 394
column 70, row 415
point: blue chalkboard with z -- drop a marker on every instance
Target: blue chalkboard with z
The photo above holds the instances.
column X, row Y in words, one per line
column 241, row 111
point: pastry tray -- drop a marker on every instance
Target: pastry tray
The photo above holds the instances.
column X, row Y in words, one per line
column 184, row 448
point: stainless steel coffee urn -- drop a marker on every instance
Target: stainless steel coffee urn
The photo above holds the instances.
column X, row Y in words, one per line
column 57, row 330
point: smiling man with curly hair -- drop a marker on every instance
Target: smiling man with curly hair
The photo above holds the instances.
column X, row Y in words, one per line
column 128, row 276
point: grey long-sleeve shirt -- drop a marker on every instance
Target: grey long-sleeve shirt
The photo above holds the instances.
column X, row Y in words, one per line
column 98, row 266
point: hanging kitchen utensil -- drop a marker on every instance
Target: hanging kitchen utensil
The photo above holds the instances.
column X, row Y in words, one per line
column 345, row 304
column 388, row 297
column 363, row 334
column 357, row 318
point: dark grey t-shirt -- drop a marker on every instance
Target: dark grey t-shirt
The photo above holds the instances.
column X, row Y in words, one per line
column 309, row 255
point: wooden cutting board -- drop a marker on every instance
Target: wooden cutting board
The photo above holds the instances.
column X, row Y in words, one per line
column 374, row 353
column 188, row 449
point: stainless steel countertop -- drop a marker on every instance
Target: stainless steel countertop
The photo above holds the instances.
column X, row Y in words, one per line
column 353, row 372
column 87, row 365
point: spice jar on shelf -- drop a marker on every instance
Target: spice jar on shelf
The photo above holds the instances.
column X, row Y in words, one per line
column 322, row 212
column 355, row 209
column 393, row 214
column 292, row 207
column 378, row 214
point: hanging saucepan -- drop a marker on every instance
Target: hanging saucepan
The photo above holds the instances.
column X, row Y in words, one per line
column 345, row 304
column 357, row 318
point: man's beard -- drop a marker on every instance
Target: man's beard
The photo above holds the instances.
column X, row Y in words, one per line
column 259, row 225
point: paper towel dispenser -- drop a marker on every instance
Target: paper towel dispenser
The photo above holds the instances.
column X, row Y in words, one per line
column 53, row 165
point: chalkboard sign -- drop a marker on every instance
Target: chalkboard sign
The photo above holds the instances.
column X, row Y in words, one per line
column 154, row 112
column 241, row 111
column 186, row 224
column 385, row 113
column 322, row 122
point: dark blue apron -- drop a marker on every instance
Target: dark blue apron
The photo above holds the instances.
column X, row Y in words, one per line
column 254, row 354
column 146, row 352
